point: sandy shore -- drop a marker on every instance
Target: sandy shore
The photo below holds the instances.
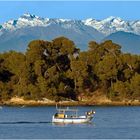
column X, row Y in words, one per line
column 21, row 102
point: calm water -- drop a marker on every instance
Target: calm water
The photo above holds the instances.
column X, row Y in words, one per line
column 35, row 122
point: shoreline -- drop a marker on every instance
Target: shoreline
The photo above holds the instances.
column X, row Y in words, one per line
column 22, row 102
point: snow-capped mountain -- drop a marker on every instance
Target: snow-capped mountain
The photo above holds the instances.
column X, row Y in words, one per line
column 24, row 21
column 112, row 24
column 16, row 34
column 106, row 26
column 28, row 20
column 135, row 26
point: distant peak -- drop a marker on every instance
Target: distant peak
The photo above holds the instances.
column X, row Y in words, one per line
column 29, row 16
column 112, row 18
column 89, row 19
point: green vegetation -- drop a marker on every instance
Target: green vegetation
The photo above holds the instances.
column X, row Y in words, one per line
column 57, row 70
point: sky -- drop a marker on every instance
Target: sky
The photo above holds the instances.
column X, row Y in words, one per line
column 127, row 10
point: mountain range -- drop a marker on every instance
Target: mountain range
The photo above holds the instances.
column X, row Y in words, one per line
column 16, row 34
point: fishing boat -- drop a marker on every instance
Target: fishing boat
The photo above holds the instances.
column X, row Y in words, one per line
column 67, row 115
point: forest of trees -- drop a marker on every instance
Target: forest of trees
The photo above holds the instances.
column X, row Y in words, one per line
column 57, row 70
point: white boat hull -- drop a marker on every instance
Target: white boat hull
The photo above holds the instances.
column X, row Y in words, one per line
column 71, row 120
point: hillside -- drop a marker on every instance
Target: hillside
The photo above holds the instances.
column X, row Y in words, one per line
column 130, row 42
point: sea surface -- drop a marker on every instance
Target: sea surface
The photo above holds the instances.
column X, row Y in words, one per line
column 35, row 123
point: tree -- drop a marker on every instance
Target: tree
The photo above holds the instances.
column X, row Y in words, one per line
column 119, row 91
column 78, row 73
column 135, row 86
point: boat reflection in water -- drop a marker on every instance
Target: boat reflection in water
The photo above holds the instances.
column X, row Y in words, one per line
column 67, row 115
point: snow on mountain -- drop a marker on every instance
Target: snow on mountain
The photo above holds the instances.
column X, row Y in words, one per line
column 110, row 25
column 136, row 26
column 33, row 20
column 29, row 20
column 16, row 34
column 24, row 21
column 106, row 26
column 19, row 32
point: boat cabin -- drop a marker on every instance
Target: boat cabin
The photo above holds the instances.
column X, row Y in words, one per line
column 66, row 113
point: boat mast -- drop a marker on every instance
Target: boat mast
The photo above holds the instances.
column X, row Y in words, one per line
column 76, row 113
column 56, row 106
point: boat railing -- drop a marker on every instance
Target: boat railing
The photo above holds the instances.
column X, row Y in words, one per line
column 67, row 109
